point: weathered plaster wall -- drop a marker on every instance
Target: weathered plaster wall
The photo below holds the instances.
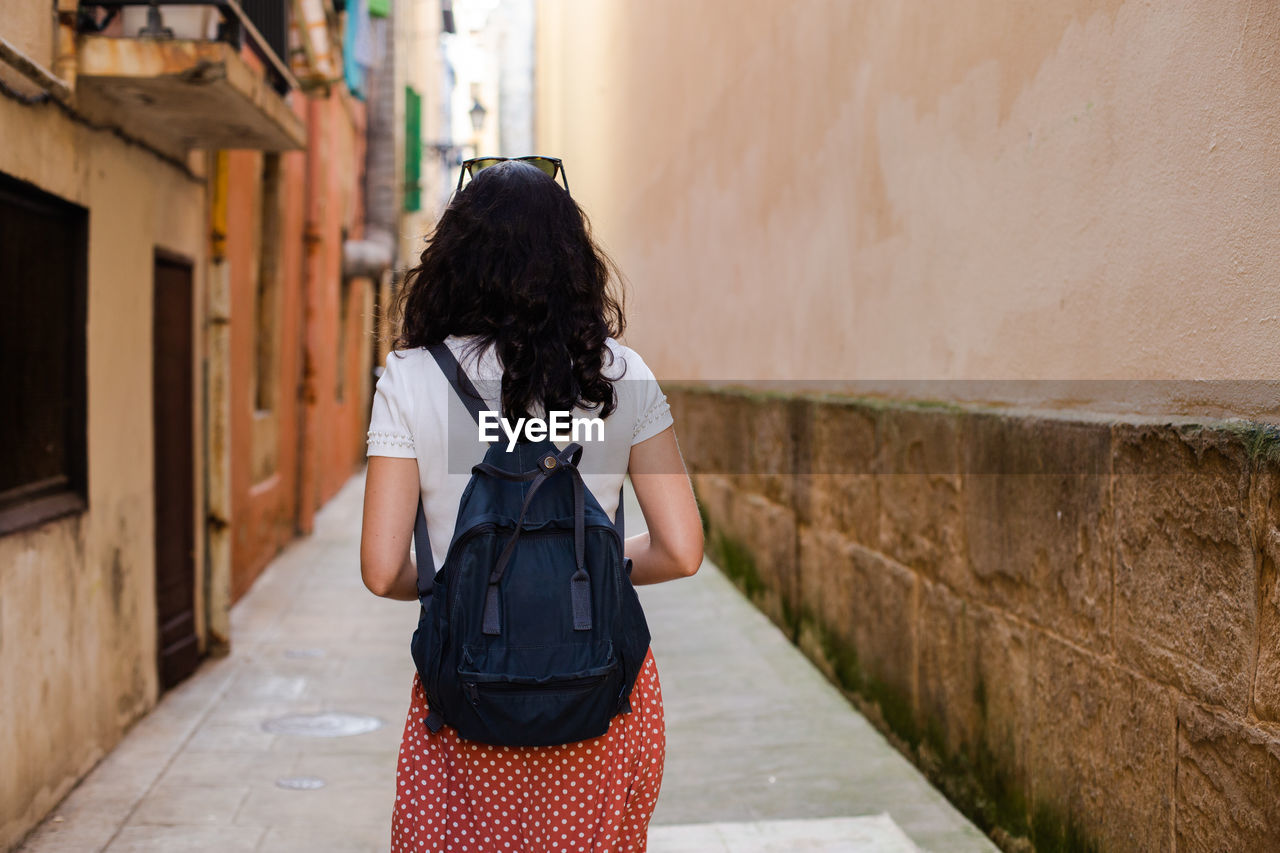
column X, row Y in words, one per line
column 29, row 28
column 823, row 189
column 315, row 438
column 77, row 600
column 263, row 508
column 338, row 422
column 1072, row 625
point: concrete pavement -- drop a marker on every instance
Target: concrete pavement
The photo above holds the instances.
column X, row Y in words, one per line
column 762, row 752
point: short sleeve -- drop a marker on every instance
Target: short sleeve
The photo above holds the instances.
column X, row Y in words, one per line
column 391, row 422
column 653, row 413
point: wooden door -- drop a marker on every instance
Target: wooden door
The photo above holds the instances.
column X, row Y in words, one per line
column 173, row 421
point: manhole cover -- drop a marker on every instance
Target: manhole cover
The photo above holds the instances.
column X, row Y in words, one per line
column 304, row 653
column 300, row 783
column 324, row 724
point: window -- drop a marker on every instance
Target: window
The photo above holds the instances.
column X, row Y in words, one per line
column 267, row 297
column 43, row 261
column 267, row 319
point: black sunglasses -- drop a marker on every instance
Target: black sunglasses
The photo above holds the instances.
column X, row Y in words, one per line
column 549, row 165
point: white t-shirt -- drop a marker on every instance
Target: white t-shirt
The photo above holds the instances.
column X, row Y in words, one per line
column 415, row 410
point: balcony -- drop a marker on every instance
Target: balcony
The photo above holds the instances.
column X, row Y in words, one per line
column 208, row 74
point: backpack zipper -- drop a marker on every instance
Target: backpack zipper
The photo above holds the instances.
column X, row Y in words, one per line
column 473, row 688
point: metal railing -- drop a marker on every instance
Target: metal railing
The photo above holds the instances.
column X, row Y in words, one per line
column 261, row 24
column 271, row 17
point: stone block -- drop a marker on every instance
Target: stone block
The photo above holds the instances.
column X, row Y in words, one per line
column 768, row 532
column 708, row 423
column 1103, row 756
column 921, row 523
column 974, row 687
column 769, row 423
column 741, row 435
column 1265, row 527
column 864, row 607
column 1037, row 522
column 716, row 494
column 836, row 451
column 1228, row 783
column 1186, row 609
column 753, row 540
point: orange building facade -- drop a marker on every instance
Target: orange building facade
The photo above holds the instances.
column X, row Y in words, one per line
column 301, row 358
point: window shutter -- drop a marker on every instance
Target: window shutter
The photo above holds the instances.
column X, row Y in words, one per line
column 412, row 150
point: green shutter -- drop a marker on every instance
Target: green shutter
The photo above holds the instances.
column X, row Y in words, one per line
column 412, row 150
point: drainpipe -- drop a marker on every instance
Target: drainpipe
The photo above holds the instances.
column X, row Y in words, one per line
column 217, row 412
column 312, row 275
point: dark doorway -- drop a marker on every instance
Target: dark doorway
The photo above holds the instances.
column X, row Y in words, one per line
column 173, row 421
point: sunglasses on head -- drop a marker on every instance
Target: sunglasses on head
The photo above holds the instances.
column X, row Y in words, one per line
column 549, row 165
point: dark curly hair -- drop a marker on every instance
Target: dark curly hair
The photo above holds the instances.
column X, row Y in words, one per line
column 512, row 261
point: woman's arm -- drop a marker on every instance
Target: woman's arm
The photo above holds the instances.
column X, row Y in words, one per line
column 672, row 548
column 390, row 506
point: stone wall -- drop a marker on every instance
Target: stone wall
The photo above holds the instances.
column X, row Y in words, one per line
column 1071, row 625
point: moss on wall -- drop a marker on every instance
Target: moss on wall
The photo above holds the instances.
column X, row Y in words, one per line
column 973, row 777
column 1261, row 441
column 971, row 748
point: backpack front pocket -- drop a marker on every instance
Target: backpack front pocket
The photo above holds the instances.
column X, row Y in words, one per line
column 526, row 711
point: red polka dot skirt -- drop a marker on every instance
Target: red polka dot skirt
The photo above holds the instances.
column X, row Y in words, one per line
column 459, row 796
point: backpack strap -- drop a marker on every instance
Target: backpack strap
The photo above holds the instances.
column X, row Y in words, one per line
column 580, row 583
column 619, row 521
column 470, row 397
column 422, row 547
column 474, row 402
column 466, row 392
column 458, row 379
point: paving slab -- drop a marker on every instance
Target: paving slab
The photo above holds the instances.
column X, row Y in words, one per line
column 871, row 834
column 763, row 753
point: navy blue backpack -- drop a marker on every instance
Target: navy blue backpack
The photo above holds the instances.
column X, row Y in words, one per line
column 531, row 634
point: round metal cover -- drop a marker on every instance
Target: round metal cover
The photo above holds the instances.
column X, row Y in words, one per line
column 300, row 783
column 323, row 724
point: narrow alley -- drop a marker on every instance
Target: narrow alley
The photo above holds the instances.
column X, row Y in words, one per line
column 965, row 314
column 763, row 754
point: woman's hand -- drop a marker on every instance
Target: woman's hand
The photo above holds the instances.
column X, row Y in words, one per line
column 672, row 548
column 390, row 507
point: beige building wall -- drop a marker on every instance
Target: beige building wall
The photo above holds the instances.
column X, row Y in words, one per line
column 1068, row 622
column 832, row 190
column 77, row 594
column 29, row 28
column 420, row 67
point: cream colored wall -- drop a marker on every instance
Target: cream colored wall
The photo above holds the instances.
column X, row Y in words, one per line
column 28, row 26
column 827, row 190
column 77, row 599
column 419, row 66
column 29, row 29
